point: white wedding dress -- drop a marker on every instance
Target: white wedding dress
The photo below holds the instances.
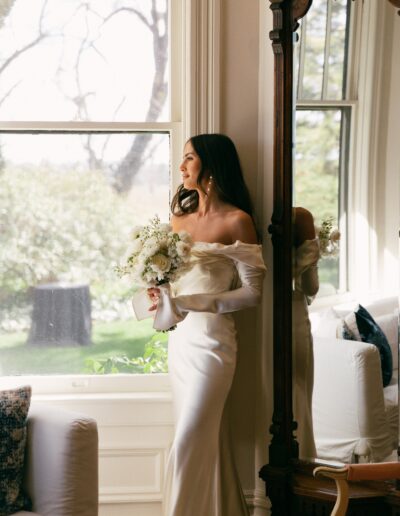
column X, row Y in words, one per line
column 201, row 478
column 306, row 284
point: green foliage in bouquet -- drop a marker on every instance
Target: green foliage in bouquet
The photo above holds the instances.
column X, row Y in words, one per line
column 154, row 360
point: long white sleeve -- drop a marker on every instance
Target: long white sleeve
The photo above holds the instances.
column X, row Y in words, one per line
column 310, row 281
column 306, row 269
column 172, row 310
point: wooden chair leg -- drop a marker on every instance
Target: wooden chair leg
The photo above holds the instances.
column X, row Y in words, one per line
column 339, row 475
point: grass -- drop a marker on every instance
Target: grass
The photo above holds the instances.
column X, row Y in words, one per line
column 108, row 339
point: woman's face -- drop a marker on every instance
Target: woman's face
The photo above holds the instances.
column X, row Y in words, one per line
column 190, row 167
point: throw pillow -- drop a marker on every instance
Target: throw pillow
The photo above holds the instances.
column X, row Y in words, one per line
column 14, row 407
column 372, row 333
column 361, row 326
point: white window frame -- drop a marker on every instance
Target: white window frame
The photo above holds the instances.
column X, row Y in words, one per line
column 195, row 29
column 350, row 102
column 363, row 86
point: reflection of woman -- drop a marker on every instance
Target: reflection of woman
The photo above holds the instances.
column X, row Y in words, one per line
column 225, row 275
column 306, row 255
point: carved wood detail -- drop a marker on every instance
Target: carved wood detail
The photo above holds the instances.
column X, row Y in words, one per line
column 283, row 445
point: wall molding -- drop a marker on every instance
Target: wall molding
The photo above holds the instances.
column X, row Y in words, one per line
column 202, row 57
column 134, row 494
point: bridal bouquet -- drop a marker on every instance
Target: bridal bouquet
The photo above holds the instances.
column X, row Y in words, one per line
column 329, row 238
column 157, row 255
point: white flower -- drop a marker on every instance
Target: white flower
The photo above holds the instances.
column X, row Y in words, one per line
column 335, row 235
column 136, row 246
column 329, row 238
column 185, row 237
column 160, row 263
column 157, row 254
column 164, row 228
column 183, row 249
column 150, row 247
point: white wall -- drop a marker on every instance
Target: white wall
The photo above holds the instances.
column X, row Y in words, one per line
column 388, row 188
column 246, row 116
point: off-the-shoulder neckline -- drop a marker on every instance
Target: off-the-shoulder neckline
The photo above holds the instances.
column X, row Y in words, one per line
column 218, row 244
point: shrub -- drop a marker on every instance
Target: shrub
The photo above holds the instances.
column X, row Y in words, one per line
column 63, row 225
column 154, row 360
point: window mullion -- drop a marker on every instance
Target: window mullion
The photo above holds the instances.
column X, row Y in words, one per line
column 325, row 77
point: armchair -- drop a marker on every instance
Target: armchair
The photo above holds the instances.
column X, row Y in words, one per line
column 341, row 476
column 61, row 466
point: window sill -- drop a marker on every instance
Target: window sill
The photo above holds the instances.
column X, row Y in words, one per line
column 92, row 386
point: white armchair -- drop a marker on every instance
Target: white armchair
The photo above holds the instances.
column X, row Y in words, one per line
column 355, row 419
column 61, row 470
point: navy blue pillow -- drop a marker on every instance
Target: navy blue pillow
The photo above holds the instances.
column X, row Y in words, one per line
column 370, row 332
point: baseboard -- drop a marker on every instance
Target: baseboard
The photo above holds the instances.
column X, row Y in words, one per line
column 257, row 502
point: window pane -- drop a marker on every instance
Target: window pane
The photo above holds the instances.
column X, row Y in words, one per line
column 319, row 162
column 91, row 60
column 337, row 50
column 65, row 222
column 322, row 51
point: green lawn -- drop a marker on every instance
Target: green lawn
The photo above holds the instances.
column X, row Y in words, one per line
column 109, row 339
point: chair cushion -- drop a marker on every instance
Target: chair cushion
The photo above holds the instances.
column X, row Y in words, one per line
column 14, row 407
column 361, row 326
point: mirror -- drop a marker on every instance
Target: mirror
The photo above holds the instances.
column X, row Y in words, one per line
column 346, row 174
column 359, row 113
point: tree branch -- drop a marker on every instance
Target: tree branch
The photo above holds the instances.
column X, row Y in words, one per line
column 133, row 11
column 17, row 53
column 9, row 92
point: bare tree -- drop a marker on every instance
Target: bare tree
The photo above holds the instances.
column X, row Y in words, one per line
column 158, row 26
column 5, row 9
column 157, row 23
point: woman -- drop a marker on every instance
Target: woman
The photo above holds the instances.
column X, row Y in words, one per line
column 225, row 275
column 306, row 284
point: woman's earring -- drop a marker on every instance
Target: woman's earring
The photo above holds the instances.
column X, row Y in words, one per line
column 209, row 185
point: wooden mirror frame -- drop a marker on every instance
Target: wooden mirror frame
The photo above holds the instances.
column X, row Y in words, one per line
column 283, row 473
column 283, row 448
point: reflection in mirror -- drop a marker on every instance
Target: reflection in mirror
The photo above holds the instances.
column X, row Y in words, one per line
column 347, row 176
column 305, row 287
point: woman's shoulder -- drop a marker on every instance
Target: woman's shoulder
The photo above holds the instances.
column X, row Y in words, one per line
column 241, row 226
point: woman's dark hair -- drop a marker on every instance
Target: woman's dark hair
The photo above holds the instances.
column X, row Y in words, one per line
column 219, row 159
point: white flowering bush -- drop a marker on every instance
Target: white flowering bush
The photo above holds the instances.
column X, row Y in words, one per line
column 329, row 238
column 156, row 255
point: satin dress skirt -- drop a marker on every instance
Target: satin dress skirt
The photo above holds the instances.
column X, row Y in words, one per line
column 201, row 477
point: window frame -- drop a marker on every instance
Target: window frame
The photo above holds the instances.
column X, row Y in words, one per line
column 194, row 108
column 364, row 85
column 353, row 101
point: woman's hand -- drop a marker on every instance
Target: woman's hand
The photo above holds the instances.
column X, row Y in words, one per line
column 154, row 295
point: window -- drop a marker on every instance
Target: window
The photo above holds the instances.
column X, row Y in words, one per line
column 90, row 117
column 324, row 110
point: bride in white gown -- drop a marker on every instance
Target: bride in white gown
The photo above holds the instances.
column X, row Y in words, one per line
column 306, row 285
column 225, row 275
